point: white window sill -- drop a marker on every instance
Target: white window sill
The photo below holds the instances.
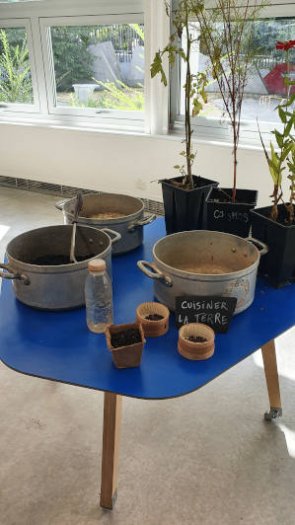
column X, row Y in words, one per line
column 108, row 125
column 218, row 137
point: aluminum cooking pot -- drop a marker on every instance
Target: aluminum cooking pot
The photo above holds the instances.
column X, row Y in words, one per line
column 204, row 263
column 121, row 213
column 38, row 263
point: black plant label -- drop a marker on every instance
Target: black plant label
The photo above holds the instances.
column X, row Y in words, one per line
column 215, row 311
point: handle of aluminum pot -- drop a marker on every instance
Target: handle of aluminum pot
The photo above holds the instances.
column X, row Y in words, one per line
column 10, row 274
column 262, row 247
column 114, row 236
column 147, row 219
column 60, row 204
column 150, row 270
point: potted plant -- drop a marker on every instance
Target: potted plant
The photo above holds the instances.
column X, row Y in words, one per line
column 154, row 318
column 125, row 342
column 226, row 38
column 184, row 195
column 275, row 224
column 196, row 341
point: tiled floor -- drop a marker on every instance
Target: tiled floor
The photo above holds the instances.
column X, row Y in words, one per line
column 206, row 459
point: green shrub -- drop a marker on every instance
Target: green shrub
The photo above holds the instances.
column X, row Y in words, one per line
column 16, row 83
column 72, row 60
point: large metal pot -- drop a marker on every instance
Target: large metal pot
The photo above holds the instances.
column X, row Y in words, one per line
column 204, row 263
column 121, row 213
column 54, row 286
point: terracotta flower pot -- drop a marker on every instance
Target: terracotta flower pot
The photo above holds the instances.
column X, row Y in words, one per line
column 194, row 349
column 127, row 355
column 154, row 326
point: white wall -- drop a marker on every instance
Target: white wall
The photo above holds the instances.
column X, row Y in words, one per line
column 119, row 163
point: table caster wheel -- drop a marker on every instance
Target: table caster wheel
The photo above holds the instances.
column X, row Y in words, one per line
column 274, row 413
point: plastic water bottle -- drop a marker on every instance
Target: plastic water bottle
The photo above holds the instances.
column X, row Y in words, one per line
column 98, row 296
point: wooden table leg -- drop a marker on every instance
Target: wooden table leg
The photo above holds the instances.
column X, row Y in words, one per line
column 272, row 380
column 110, row 449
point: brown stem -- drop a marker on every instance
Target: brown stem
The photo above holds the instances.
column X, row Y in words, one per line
column 188, row 130
column 235, row 151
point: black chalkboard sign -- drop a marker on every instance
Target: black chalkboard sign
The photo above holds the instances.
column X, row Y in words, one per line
column 215, row 311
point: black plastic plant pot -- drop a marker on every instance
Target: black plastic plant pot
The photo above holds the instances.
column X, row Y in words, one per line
column 278, row 265
column 223, row 215
column 184, row 209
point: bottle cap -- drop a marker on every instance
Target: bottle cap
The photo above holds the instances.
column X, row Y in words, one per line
column 97, row 265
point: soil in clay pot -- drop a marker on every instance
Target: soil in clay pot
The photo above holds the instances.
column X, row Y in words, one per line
column 154, row 317
column 55, row 260
column 196, row 339
column 125, row 338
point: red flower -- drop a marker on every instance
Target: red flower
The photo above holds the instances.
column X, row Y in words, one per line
column 285, row 46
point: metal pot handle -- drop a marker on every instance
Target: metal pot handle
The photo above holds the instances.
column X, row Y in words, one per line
column 150, row 270
column 114, row 236
column 147, row 219
column 60, row 204
column 262, row 247
column 13, row 275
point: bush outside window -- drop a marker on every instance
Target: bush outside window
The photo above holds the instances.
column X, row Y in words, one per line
column 15, row 70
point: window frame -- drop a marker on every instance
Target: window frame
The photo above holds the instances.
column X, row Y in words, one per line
column 16, row 107
column 100, row 116
column 38, row 16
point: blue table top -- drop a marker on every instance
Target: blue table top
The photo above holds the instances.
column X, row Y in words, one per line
column 58, row 346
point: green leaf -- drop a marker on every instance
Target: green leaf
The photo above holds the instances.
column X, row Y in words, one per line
column 197, row 107
column 282, row 114
column 288, row 128
column 279, row 138
column 157, row 68
column 290, row 100
column 286, row 152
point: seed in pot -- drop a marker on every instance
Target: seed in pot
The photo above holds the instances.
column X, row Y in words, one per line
column 154, row 317
column 196, row 339
column 130, row 336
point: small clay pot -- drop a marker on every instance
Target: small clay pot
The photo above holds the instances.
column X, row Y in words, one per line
column 129, row 355
column 154, row 326
column 196, row 341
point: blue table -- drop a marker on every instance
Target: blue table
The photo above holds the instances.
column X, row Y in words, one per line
column 59, row 347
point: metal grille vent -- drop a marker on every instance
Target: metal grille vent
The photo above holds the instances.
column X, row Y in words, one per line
column 66, row 191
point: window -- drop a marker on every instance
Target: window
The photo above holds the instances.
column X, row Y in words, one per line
column 17, row 83
column 98, row 68
column 89, row 60
column 264, row 86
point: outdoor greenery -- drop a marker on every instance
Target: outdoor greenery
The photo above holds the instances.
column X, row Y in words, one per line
column 73, row 63
column 16, row 83
column 266, row 32
column 72, row 60
column 117, row 96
